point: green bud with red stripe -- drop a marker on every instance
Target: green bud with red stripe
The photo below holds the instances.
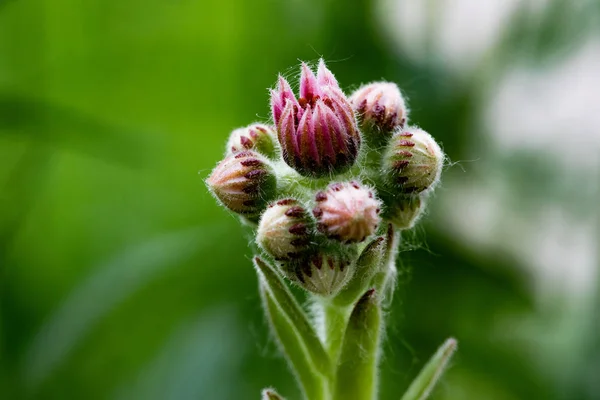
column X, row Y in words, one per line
column 413, row 161
column 285, row 230
column 244, row 183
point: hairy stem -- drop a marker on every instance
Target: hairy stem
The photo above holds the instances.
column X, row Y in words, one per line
column 335, row 320
column 356, row 376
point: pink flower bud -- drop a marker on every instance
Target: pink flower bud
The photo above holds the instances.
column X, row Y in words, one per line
column 348, row 212
column 381, row 109
column 257, row 137
column 413, row 161
column 243, row 182
column 285, row 230
column 321, row 273
column 317, row 132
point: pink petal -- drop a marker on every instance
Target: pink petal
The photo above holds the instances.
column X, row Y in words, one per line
column 309, row 88
column 325, row 77
column 323, row 130
column 343, row 110
column 307, row 146
column 286, row 131
column 276, row 105
column 285, row 91
column 337, row 131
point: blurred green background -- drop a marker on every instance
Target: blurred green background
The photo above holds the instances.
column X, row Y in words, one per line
column 120, row 278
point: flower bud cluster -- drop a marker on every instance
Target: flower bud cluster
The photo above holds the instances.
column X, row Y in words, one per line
column 330, row 174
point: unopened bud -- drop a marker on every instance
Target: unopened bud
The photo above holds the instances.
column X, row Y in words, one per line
column 243, row 182
column 285, row 230
column 405, row 211
column 348, row 212
column 380, row 108
column 317, row 132
column 323, row 273
column 413, row 161
column 257, row 137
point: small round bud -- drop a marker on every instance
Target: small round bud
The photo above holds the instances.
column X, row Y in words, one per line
column 317, row 131
column 413, row 161
column 257, row 137
column 321, row 273
column 285, row 230
column 243, row 182
column 348, row 212
column 380, row 108
column 405, row 211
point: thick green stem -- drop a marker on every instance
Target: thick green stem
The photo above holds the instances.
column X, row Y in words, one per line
column 356, row 375
column 335, row 320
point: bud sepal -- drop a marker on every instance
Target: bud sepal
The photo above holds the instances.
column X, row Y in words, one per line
column 323, row 272
column 404, row 211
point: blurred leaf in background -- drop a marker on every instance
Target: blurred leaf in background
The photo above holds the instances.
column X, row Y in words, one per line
column 121, row 278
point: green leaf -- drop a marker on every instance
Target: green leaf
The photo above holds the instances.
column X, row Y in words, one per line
column 421, row 387
column 295, row 314
column 334, row 320
column 292, row 346
column 271, row 394
column 367, row 265
column 356, row 377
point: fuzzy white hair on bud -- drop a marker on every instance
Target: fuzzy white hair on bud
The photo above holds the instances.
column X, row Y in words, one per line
column 284, row 230
column 413, row 161
column 348, row 212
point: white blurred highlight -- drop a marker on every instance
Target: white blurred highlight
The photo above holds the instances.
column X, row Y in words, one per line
column 556, row 110
column 458, row 32
column 552, row 112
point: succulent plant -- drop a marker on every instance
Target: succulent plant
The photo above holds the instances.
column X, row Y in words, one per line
column 327, row 214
